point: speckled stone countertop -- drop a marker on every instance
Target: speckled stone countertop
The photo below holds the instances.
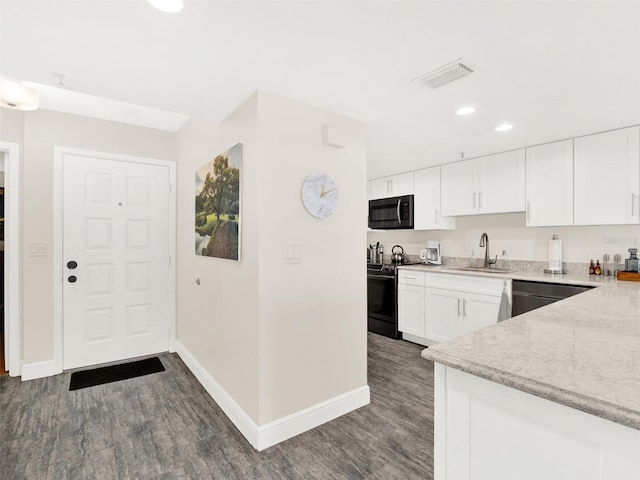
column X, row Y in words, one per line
column 582, row 352
column 537, row 275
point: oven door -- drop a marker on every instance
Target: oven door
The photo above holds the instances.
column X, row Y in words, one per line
column 382, row 307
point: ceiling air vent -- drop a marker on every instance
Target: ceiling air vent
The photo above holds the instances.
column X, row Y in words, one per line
column 443, row 75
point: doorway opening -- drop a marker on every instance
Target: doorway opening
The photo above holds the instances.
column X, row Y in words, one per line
column 9, row 258
column 3, row 369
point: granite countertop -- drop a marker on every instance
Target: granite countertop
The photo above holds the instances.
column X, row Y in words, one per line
column 536, row 275
column 582, row 352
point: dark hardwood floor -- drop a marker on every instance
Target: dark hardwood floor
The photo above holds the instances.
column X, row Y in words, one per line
column 165, row 426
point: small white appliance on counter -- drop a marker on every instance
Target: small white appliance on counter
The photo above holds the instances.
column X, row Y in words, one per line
column 431, row 253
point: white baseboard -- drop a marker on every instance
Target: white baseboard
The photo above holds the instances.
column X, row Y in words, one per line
column 31, row 371
column 15, row 370
column 261, row 437
column 419, row 340
column 236, row 414
column 299, row 422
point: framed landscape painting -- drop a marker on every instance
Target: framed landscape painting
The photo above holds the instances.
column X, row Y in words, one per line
column 217, row 209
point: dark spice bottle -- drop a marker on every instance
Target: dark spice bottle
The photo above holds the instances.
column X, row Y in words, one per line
column 592, row 268
column 598, row 269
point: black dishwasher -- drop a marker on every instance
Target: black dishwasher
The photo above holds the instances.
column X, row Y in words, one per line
column 528, row 296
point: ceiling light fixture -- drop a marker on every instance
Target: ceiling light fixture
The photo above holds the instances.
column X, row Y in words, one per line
column 465, row 111
column 168, row 6
column 17, row 96
column 505, row 127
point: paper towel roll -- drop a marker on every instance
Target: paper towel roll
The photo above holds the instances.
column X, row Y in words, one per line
column 555, row 254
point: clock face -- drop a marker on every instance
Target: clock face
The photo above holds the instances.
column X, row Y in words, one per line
column 320, row 195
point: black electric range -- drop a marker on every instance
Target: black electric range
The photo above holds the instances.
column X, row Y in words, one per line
column 382, row 298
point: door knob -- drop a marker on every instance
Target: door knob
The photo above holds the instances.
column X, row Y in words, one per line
column 72, row 279
column 71, row 265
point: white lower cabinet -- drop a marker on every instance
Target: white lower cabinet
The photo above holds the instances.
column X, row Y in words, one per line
column 411, row 309
column 451, row 304
column 443, row 309
column 479, row 311
column 488, row 431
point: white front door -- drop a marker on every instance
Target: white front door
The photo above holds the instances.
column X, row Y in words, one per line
column 115, row 260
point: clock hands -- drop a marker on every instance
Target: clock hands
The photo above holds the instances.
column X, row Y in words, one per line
column 324, row 193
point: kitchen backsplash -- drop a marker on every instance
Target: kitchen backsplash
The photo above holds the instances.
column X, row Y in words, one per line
column 508, row 233
column 519, row 265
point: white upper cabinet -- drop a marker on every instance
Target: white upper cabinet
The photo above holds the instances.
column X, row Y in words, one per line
column 393, row 186
column 502, row 189
column 607, row 178
column 458, row 194
column 426, row 202
column 491, row 184
column 549, row 184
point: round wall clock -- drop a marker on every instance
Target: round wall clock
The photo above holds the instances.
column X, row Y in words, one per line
column 320, row 195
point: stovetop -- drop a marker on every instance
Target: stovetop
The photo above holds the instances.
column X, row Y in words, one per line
column 388, row 267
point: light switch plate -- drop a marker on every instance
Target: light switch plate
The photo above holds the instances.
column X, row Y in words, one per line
column 292, row 252
column 37, row 249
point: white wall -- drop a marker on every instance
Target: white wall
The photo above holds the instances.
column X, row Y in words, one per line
column 12, row 126
column 278, row 338
column 218, row 320
column 313, row 343
column 37, row 133
column 508, row 232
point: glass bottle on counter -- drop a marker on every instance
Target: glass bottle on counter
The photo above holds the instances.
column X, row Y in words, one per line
column 598, row 269
column 631, row 263
column 592, row 268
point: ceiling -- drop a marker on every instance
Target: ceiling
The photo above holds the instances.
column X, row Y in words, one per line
column 552, row 69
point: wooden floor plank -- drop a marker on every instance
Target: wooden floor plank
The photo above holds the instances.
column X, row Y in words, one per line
column 166, row 426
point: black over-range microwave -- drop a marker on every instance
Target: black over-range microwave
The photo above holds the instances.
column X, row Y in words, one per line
column 390, row 213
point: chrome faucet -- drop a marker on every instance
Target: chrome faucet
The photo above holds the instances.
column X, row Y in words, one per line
column 484, row 242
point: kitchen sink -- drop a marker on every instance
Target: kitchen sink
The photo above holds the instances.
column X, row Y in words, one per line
column 483, row 269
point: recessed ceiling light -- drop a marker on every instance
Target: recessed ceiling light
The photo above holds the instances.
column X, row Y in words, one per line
column 504, row 127
column 168, row 6
column 465, row 111
column 18, row 96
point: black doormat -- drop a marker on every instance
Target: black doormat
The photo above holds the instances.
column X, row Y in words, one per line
column 115, row 373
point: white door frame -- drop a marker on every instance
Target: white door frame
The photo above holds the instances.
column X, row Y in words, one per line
column 12, row 312
column 58, row 209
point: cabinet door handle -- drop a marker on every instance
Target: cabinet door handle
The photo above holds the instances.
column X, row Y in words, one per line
column 459, row 306
column 436, row 217
column 528, row 212
column 633, row 204
column 479, row 199
column 391, row 186
column 398, row 210
column 474, row 200
column 464, row 308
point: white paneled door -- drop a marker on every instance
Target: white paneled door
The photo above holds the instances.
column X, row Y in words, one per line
column 115, row 260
